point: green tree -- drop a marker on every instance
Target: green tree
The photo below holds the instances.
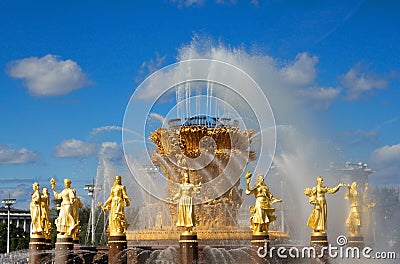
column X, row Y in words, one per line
column 101, row 223
column 18, row 238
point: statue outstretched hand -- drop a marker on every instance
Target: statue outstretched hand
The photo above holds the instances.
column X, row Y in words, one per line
column 276, row 200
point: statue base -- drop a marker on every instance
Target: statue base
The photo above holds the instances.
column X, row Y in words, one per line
column 37, row 247
column 64, row 247
column 355, row 241
column 48, row 244
column 188, row 248
column 117, row 246
column 319, row 240
column 259, row 247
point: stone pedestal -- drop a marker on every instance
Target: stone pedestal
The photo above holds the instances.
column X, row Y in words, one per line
column 355, row 241
column 188, row 248
column 37, row 249
column 64, row 249
column 260, row 247
column 319, row 241
column 48, row 244
column 117, row 246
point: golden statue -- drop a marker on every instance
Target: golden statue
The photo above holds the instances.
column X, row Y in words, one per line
column 318, row 217
column 45, row 209
column 353, row 222
column 75, row 214
column 186, row 217
column 368, row 204
column 262, row 213
column 65, row 222
column 116, row 203
column 36, row 212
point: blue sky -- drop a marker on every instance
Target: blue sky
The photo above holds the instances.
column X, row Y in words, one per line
column 68, row 69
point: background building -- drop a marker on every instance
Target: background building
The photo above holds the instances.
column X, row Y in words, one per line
column 18, row 217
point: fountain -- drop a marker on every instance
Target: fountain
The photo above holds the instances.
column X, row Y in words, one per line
column 213, row 133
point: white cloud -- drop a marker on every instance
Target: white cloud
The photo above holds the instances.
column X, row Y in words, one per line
column 102, row 129
column 255, row 2
column 17, row 156
column 386, row 161
column 302, row 70
column 49, row 75
column 321, row 98
column 148, row 67
column 187, row 3
column 110, row 151
column 387, row 155
column 98, row 130
column 226, row 2
column 74, row 148
column 358, row 81
column 21, row 192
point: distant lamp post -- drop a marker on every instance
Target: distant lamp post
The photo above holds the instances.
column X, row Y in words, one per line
column 90, row 188
column 7, row 204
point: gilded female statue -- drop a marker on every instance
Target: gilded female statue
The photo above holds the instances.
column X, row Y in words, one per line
column 186, row 217
column 65, row 222
column 368, row 204
column 45, row 209
column 75, row 214
column 35, row 209
column 262, row 213
column 116, row 203
column 353, row 222
column 318, row 217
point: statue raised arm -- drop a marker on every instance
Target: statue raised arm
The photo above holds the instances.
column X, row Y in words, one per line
column 318, row 217
column 65, row 222
column 262, row 212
